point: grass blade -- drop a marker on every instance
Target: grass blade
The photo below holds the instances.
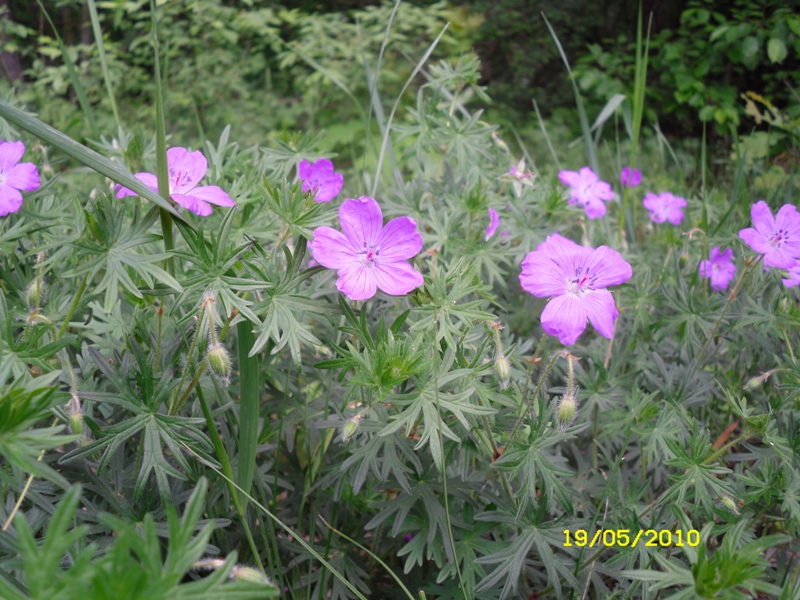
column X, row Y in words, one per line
column 546, row 137
column 587, row 133
column 82, row 154
column 80, row 91
column 385, row 140
column 101, row 51
column 248, row 409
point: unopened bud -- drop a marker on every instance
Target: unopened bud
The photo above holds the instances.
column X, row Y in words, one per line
column 756, row 382
column 503, row 369
column 349, row 429
column 220, row 362
column 567, row 408
column 36, row 294
column 684, row 258
column 249, row 574
column 730, row 505
column 784, row 306
column 75, row 414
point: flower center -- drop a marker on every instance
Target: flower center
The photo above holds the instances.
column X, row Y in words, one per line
column 777, row 238
column 2, row 178
column 581, row 282
column 370, row 254
column 176, row 177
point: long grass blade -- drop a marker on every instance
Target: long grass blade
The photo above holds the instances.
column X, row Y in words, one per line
column 546, row 137
column 80, row 91
column 386, row 133
column 82, row 154
column 101, row 51
column 591, row 154
column 162, row 174
column 248, row 409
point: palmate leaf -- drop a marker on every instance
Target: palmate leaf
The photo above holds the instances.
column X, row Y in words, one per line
column 427, row 402
column 110, row 242
column 143, row 394
column 514, row 558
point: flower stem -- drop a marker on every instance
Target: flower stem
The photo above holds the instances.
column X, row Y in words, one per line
column 732, row 295
column 173, row 410
column 539, row 385
column 725, row 448
column 73, row 307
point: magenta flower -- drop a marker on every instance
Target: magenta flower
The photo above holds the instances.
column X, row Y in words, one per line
column 587, row 190
column 574, row 278
column 320, row 179
column 494, row 221
column 794, row 277
column 186, row 169
column 519, row 177
column 630, row 177
column 367, row 254
column 665, row 207
column 777, row 239
column 15, row 176
column 719, row 268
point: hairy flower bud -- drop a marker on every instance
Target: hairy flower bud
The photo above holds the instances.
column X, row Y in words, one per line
column 75, row 414
column 240, row 573
column 36, row 294
column 730, row 505
column 349, row 429
column 220, row 362
column 567, row 407
column 503, row 369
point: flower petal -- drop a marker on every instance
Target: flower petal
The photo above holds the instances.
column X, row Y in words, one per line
column 322, row 169
column 186, row 169
column 603, row 191
column 24, row 177
column 148, row 179
column 601, row 310
column 594, row 207
column 607, row 267
column 570, row 178
column 762, row 219
column 545, row 271
column 755, row 239
column 196, row 205
column 10, row 154
column 564, row 317
column 399, row 240
column 213, row 194
column 397, row 279
column 332, row 249
column 10, row 200
column 361, row 221
column 357, row 282
column 494, row 221
column 303, row 170
column 329, row 187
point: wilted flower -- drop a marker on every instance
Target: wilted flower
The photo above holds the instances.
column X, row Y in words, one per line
column 15, row 176
column 520, row 177
column 587, row 191
column 494, row 221
column 665, row 207
column 719, row 268
column 320, row 179
column 630, row 177
column 778, row 239
column 367, row 254
column 186, row 169
column 574, row 278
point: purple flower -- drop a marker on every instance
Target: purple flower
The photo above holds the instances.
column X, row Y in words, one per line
column 186, row 169
column 520, row 177
column 494, row 221
column 777, row 239
column 665, row 207
column 409, row 537
column 587, row 190
column 630, row 177
column 719, row 268
column 574, row 278
column 367, row 254
column 320, row 179
column 794, row 277
column 15, row 176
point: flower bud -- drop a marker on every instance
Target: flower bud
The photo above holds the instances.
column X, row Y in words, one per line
column 220, row 362
column 567, row 408
column 35, row 294
column 503, row 369
column 349, row 429
column 756, row 382
column 75, row 414
column 240, row 573
column 730, row 505
column 683, row 259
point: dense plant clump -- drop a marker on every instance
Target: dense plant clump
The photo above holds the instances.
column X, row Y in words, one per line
column 252, row 371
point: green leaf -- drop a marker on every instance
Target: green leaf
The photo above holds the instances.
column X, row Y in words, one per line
column 776, row 50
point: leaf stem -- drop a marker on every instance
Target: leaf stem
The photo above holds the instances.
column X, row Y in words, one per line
column 73, row 307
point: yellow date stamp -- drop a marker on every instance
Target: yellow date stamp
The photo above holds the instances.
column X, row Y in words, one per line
column 651, row 538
